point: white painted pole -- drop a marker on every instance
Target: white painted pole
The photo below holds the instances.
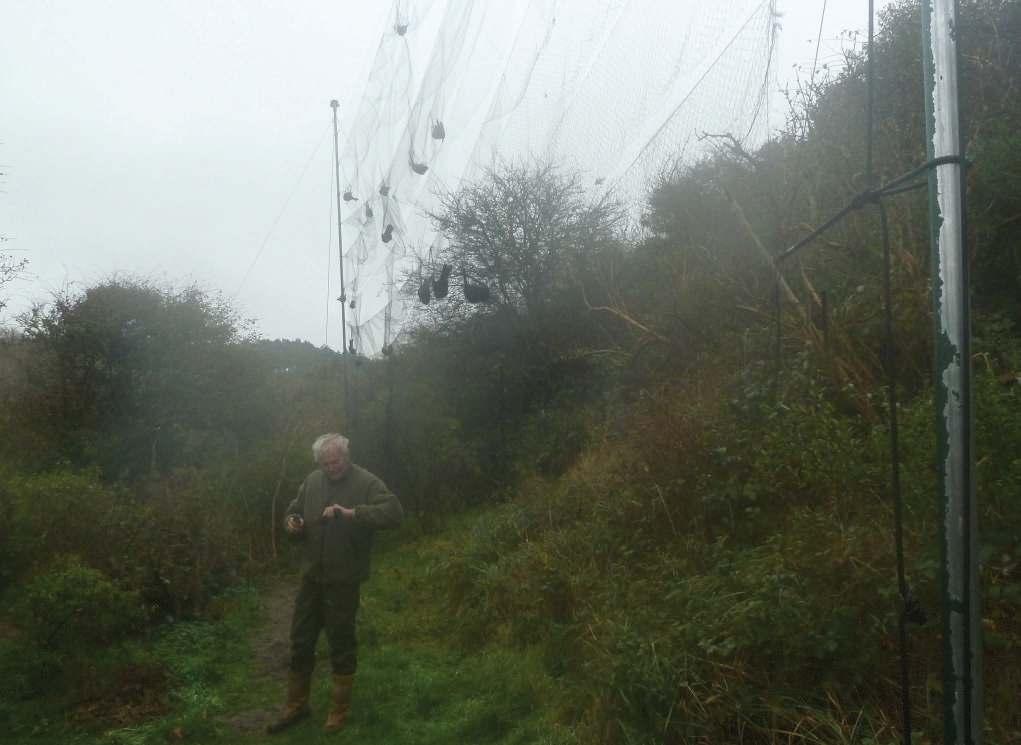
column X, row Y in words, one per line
column 962, row 677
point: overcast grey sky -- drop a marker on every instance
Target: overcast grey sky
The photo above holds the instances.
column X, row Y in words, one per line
column 162, row 139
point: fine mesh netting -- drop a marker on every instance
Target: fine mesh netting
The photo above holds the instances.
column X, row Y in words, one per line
column 615, row 90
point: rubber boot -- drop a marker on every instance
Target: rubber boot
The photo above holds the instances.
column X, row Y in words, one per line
column 340, row 701
column 296, row 708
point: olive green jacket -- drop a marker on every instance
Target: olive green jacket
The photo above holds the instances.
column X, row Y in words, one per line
column 339, row 548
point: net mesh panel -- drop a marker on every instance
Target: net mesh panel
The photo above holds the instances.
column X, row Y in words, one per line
column 616, row 90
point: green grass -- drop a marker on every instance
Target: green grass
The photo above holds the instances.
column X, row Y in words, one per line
column 190, row 669
column 417, row 694
column 415, row 686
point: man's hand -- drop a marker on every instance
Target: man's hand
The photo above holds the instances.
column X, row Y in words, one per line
column 335, row 510
column 294, row 524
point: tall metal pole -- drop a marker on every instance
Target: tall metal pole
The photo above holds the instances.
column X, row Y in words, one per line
column 340, row 235
column 962, row 676
column 340, row 253
column 870, row 75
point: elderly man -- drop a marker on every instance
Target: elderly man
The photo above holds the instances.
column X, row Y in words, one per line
column 338, row 509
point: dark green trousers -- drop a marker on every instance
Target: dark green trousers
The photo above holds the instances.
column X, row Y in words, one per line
column 328, row 606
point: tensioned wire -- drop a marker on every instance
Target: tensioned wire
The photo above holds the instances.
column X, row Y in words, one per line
column 910, row 610
column 280, row 213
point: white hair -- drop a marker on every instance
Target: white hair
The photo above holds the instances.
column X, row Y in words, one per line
column 330, row 440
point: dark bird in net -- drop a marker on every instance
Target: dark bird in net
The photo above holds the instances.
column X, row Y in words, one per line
column 442, row 285
column 388, row 233
column 368, row 212
column 384, row 190
column 474, row 293
column 349, row 197
column 439, row 131
column 401, row 28
column 419, row 168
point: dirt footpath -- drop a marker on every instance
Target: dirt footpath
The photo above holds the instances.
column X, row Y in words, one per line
column 270, row 645
column 271, row 652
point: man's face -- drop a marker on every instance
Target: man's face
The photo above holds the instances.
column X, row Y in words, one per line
column 333, row 463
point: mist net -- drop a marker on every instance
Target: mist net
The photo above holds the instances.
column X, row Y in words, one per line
column 616, row 90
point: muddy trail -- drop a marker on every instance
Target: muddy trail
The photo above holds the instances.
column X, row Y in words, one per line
column 269, row 650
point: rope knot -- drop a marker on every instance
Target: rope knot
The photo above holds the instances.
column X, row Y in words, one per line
column 913, row 610
column 867, row 197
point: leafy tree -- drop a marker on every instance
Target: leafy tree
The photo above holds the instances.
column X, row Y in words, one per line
column 140, row 378
column 703, row 279
column 530, row 235
column 524, row 230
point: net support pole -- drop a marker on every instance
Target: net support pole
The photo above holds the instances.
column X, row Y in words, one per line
column 962, row 676
column 334, row 104
column 340, row 235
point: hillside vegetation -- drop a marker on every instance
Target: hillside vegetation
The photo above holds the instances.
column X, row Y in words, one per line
column 644, row 507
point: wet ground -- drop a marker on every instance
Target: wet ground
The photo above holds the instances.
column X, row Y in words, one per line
column 270, row 650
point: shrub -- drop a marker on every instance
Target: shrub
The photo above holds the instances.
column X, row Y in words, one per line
column 194, row 547
column 72, row 608
column 63, row 512
column 175, row 547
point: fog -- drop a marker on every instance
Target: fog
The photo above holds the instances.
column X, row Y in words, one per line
column 191, row 142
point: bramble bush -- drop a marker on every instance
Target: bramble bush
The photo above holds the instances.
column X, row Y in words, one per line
column 787, row 618
column 72, row 607
column 67, row 614
column 63, row 512
column 175, row 545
